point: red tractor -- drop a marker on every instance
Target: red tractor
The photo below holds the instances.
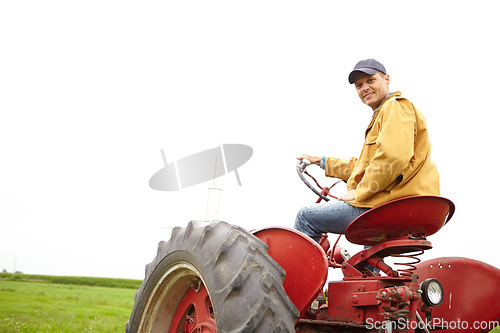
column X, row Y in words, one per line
column 218, row 277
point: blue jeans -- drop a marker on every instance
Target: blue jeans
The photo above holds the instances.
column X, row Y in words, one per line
column 332, row 216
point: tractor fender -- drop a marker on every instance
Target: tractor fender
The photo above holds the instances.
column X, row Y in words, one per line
column 471, row 290
column 303, row 260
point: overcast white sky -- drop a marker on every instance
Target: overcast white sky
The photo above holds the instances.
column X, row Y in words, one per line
column 92, row 90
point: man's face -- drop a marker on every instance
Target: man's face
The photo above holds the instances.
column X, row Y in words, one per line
column 372, row 89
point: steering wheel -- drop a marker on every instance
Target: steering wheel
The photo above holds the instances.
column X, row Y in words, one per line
column 301, row 170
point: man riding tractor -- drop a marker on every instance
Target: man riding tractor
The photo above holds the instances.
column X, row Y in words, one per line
column 394, row 161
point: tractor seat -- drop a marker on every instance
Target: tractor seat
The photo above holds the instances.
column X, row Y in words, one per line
column 410, row 217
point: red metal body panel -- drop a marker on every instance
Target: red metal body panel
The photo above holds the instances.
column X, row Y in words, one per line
column 344, row 304
column 362, row 302
column 303, row 260
column 472, row 293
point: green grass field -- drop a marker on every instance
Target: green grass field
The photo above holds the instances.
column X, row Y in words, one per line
column 54, row 304
column 70, row 307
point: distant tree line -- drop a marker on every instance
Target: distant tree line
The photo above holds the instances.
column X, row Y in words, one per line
column 74, row 280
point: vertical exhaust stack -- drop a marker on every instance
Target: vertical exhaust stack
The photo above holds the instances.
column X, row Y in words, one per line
column 214, row 200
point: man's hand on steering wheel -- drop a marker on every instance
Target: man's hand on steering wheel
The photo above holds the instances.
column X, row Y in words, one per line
column 349, row 196
column 307, row 159
column 312, row 158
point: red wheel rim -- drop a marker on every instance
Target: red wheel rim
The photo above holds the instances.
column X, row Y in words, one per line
column 194, row 313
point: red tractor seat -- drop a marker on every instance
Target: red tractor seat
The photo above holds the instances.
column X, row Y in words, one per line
column 410, row 217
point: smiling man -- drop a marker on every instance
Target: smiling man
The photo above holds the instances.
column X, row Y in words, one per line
column 371, row 82
column 394, row 161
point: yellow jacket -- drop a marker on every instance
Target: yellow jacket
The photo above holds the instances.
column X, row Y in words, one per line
column 395, row 160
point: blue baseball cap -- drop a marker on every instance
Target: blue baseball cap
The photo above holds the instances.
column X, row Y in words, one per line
column 368, row 66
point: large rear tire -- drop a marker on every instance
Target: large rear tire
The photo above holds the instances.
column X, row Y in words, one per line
column 212, row 278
